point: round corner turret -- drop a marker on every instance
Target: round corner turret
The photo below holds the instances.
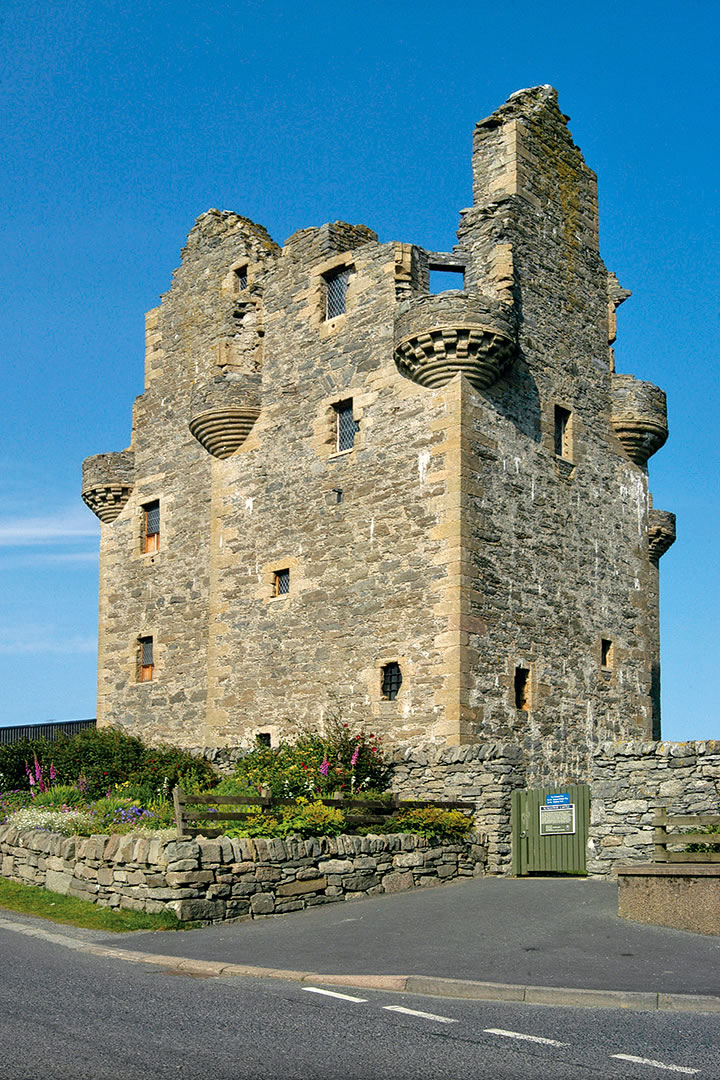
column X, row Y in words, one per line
column 639, row 417
column 107, row 482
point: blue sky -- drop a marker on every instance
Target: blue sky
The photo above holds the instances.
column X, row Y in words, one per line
column 123, row 121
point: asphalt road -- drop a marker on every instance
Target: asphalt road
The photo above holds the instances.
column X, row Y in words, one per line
column 66, row 1014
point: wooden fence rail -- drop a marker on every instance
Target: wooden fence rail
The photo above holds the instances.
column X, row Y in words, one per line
column 366, row 811
column 664, row 823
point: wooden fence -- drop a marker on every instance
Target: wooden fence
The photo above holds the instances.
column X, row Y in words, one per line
column 363, row 811
column 664, row 837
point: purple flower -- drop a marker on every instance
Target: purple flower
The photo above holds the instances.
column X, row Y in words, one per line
column 53, row 774
column 356, row 755
column 324, row 767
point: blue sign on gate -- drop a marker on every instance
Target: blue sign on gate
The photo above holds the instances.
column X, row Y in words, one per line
column 557, row 800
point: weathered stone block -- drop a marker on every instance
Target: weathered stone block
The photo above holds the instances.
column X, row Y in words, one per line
column 296, row 888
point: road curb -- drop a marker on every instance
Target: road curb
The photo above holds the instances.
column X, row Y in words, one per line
column 428, row 985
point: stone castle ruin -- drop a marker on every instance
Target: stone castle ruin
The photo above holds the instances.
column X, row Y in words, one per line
column 432, row 508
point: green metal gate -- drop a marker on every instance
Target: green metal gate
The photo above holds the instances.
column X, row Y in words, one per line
column 550, row 830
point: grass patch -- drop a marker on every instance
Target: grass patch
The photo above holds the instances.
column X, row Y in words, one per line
column 32, row 900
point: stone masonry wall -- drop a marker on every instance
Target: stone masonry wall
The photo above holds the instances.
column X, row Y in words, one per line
column 630, row 780
column 214, row 880
column 486, row 775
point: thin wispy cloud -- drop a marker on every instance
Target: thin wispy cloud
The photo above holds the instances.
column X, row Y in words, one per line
column 43, row 640
column 39, row 557
column 61, row 527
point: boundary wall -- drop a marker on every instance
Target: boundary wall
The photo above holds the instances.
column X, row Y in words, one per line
column 214, row 880
column 628, row 781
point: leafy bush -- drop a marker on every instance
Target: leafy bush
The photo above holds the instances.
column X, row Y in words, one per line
column 13, row 759
column 315, row 765
column 60, row 795
column 433, row 823
column 103, row 757
column 706, row 848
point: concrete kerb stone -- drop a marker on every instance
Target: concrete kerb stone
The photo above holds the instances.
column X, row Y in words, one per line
column 426, row 985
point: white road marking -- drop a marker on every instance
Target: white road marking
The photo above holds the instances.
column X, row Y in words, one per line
column 526, row 1038
column 423, row 1015
column 332, row 993
column 655, row 1064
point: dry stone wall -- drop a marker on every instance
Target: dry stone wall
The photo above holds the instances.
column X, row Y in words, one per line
column 214, row 880
column 629, row 781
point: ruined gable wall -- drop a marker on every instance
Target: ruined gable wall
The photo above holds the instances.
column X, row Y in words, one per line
column 559, row 543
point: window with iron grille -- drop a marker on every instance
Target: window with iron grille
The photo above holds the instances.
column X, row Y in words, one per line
column 281, row 583
column 347, row 427
column 241, row 277
column 151, row 526
column 336, row 286
column 146, row 663
column 391, row 681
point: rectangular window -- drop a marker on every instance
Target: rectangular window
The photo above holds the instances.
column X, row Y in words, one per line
column 347, row 427
column 444, row 278
column 241, row 278
column 606, row 653
column 281, row 583
column 146, row 662
column 336, row 286
column 151, row 526
column 562, row 432
column 522, row 688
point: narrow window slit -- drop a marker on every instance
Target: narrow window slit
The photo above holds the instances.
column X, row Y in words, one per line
column 522, row 686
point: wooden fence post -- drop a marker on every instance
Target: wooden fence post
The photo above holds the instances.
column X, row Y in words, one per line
column 660, row 834
column 179, row 804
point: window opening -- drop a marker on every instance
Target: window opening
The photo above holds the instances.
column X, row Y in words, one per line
column 562, row 432
column 443, row 279
column 336, row 286
column 522, row 685
column 241, row 278
column 281, row 583
column 145, row 657
column 391, row 681
column 347, row 427
column 263, row 738
column 606, row 653
column 151, row 527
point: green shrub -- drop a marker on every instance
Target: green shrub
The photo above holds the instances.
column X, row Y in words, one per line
column 316, row 765
column 433, row 823
column 706, row 848
column 100, row 758
column 14, row 757
column 59, row 795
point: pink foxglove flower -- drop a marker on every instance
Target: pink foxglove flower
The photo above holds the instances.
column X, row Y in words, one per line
column 324, row 767
column 356, row 755
column 53, row 774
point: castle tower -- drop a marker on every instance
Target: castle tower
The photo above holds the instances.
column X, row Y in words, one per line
column 428, row 511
